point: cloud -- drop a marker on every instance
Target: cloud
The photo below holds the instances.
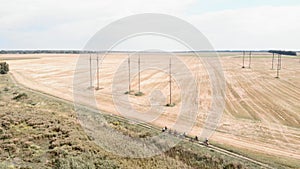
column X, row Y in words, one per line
column 251, row 28
column 69, row 24
column 53, row 24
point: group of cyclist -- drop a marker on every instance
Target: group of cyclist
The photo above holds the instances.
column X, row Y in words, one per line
column 165, row 129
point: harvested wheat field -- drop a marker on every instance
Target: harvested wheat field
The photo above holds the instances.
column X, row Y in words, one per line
column 261, row 118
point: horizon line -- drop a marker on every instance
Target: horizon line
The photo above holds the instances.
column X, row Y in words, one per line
column 135, row 51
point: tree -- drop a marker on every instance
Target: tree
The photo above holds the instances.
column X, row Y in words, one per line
column 4, row 68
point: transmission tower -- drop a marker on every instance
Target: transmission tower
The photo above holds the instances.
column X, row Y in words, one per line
column 273, row 61
column 243, row 59
column 170, row 79
column 97, row 72
column 278, row 65
column 250, row 58
column 91, row 78
column 129, row 80
column 139, row 70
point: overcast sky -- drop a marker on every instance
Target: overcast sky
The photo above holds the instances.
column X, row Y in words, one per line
column 228, row 24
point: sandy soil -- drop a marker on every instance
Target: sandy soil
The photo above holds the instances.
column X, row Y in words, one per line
column 261, row 112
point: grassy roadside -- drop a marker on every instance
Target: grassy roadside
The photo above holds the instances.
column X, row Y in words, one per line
column 274, row 161
column 40, row 132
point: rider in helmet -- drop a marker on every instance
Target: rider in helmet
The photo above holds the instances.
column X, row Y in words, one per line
column 206, row 141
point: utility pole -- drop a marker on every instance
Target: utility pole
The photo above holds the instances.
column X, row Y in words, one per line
column 250, row 55
column 273, row 62
column 243, row 59
column 129, row 81
column 97, row 72
column 278, row 66
column 280, row 62
column 139, row 67
column 170, row 79
column 91, row 78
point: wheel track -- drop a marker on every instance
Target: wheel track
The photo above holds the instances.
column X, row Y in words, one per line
column 281, row 129
column 272, row 87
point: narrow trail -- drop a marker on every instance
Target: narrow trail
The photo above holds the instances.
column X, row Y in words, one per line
column 211, row 147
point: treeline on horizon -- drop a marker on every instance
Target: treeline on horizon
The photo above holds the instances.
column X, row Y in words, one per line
column 281, row 52
column 293, row 53
column 42, row 51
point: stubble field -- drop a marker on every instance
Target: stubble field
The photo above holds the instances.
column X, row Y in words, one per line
column 261, row 116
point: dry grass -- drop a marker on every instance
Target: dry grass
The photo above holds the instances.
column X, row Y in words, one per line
column 39, row 132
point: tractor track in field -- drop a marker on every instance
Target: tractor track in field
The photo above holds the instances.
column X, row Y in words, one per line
column 211, row 147
column 252, row 93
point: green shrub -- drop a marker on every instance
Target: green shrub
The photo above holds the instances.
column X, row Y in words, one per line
column 129, row 92
column 116, row 123
column 20, row 96
column 4, row 68
column 139, row 94
column 170, row 105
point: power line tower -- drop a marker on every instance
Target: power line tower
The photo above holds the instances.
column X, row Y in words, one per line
column 129, row 78
column 97, row 88
column 250, row 58
column 280, row 62
column 139, row 93
column 91, row 78
column 273, row 61
column 278, row 65
column 243, row 59
column 139, row 72
column 170, row 80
